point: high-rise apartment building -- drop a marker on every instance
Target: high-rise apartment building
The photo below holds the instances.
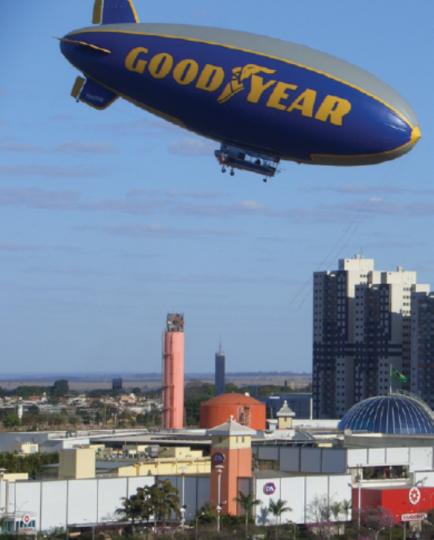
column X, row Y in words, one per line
column 422, row 346
column 334, row 337
column 362, row 328
column 219, row 373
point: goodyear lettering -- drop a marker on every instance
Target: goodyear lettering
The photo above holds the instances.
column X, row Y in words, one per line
column 133, row 64
column 304, row 103
column 211, row 78
column 186, row 72
column 274, row 94
column 334, row 109
column 279, row 94
column 161, row 65
column 258, row 87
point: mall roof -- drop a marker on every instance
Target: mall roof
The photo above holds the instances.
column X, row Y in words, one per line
column 397, row 414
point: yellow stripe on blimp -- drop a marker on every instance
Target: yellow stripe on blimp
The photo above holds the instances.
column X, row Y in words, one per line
column 133, row 9
column 285, row 60
column 346, row 159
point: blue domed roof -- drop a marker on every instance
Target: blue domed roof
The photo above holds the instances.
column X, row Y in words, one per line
column 397, row 414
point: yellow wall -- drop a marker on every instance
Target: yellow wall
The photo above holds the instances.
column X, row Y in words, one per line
column 233, row 442
column 14, row 477
column 77, row 463
column 180, row 452
column 168, row 466
column 284, row 422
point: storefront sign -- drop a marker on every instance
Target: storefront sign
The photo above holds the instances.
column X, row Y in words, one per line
column 269, row 488
column 414, row 517
column 414, row 495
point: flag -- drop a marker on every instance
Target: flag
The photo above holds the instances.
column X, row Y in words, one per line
column 398, row 376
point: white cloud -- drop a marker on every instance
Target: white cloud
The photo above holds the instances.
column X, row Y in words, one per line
column 251, row 205
column 85, row 148
column 191, row 147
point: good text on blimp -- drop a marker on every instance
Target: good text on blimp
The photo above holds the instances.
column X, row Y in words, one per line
column 275, row 94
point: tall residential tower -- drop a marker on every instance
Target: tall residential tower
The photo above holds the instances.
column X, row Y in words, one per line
column 422, row 346
column 362, row 327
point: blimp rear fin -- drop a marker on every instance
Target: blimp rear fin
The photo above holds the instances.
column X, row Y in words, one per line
column 92, row 93
column 114, row 12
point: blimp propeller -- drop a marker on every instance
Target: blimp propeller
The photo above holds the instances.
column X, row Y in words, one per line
column 263, row 100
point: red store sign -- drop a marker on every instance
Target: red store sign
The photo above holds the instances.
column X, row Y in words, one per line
column 397, row 501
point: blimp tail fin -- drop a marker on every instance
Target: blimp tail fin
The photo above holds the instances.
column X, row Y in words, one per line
column 114, row 12
column 92, row 93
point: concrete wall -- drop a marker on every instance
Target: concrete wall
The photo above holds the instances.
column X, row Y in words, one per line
column 300, row 493
column 60, row 503
column 416, row 458
column 339, row 460
column 305, row 460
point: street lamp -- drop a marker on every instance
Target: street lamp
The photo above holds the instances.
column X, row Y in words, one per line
column 358, row 479
column 219, row 469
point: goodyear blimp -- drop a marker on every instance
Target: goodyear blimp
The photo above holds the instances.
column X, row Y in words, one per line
column 264, row 100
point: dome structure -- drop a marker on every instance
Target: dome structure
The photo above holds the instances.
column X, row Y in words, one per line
column 244, row 409
column 397, row 414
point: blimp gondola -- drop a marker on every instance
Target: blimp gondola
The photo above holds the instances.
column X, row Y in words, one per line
column 261, row 99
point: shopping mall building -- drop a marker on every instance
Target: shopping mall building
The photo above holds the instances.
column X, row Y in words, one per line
column 379, row 455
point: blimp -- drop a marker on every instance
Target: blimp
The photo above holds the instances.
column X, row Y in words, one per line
column 262, row 100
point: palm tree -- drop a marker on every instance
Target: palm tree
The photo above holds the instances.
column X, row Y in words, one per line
column 336, row 509
column 136, row 508
column 247, row 503
column 346, row 507
column 160, row 500
column 277, row 509
column 164, row 499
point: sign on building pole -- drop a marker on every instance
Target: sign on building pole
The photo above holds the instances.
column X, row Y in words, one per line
column 419, row 516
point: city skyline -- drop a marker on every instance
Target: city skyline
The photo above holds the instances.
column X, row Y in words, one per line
column 109, row 221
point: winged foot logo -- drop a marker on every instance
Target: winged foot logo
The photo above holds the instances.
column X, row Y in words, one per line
column 240, row 75
column 256, row 81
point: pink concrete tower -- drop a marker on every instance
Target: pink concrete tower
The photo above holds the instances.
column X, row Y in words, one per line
column 173, row 372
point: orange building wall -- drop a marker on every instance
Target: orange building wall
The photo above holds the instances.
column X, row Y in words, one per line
column 237, row 464
column 173, row 383
column 245, row 410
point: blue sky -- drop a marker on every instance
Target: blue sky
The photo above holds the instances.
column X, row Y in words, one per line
column 108, row 220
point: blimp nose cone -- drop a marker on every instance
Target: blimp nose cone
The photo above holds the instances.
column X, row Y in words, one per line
column 416, row 135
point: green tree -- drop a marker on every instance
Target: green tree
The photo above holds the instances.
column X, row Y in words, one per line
column 160, row 501
column 136, row 508
column 195, row 393
column 206, row 514
column 164, row 499
column 60, row 388
column 277, row 509
column 336, row 509
column 31, row 464
column 11, row 420
column 247, row 503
